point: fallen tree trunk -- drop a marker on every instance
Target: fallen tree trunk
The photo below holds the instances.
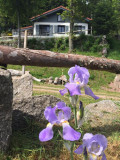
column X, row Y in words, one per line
column 43, row 58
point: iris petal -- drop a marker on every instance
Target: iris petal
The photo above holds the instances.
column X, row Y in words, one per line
column 46, row 134
column 66, row 110
column 71, row 71
column 79, row 72
column 87, row 136
column 101, row 139
column 83, row 74
column 79, row 150
column 60, row 116
column 73, row 88
column 89, row 92
column 69, row 133
column 95, row 147
column 97, row 144
column 62, row 92
column 50, row 114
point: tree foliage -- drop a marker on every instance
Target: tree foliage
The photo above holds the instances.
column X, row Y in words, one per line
column 105, row 13
column 103, row 18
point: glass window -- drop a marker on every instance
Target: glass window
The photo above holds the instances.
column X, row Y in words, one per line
column 44, row 30
column 79, row 29
column 61, row 29
column 59, row 18
column 83, row 27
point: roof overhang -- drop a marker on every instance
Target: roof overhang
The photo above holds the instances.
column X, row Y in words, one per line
column 49, row 12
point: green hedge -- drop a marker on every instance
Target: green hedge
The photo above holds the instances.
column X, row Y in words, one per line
column 82, row 43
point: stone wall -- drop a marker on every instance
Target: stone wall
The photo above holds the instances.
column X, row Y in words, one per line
column 6, row 98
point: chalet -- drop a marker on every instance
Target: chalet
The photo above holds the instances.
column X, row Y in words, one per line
column 51, row 24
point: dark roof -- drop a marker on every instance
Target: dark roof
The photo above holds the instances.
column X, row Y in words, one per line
column 49, row 12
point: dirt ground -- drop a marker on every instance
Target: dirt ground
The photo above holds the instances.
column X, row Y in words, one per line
column 44, row 88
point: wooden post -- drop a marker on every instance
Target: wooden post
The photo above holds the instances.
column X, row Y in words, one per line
column 25, row 46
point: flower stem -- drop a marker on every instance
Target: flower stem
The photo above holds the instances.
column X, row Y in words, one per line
column 71, row 151
column 85, row 158
column 85, row 155
column 75, row 115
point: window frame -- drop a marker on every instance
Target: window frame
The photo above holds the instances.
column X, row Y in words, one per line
column 60, row 28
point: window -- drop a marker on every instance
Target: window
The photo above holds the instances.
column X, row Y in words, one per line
column 83, row 28
column 59, row 18
column 61, row 29
column 44, row 30
column 79, row 29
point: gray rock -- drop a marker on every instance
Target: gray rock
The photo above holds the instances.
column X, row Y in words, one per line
column 117, row 82
column 31, row 108
column 22, row 86
column 117, row 79
column 57, row 81
column 63, row 78
column 50, row 81
column 115, row 85
column 51, row 78
column 103, row 113
column 6, row 98
column 104, row 51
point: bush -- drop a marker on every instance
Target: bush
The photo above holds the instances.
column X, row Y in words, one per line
column 32, row 43
column 82, row 43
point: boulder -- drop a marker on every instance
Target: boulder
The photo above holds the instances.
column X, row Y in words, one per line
column 103, row 113
column 22, row 86
column 6, row 98
column 115, row 85
column 32, row 108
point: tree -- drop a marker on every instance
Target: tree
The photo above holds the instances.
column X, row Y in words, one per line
column 18, row 12
column 116, row 7
column 14, row 10
column 50, row 4
column 76, row 12
column 103, row 18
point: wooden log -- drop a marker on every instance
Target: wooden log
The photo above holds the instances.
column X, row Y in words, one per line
column 43, row 58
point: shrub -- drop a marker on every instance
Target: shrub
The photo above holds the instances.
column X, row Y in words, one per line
column 82, row 42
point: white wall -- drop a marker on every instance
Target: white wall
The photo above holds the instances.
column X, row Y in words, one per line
column 59, row 23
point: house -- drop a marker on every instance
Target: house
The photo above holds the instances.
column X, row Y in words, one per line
column 51, row 24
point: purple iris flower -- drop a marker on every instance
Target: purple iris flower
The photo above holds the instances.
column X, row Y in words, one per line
column 60, row 118
column 78, row 78
column 95, row 145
